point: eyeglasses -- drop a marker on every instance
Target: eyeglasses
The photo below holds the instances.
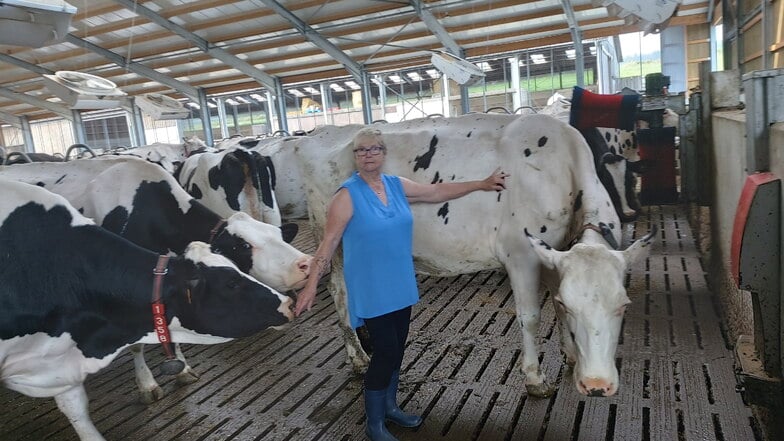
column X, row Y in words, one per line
column 373, row 150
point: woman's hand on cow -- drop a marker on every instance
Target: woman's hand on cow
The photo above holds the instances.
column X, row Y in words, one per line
column 305, row 300
column 496, row 181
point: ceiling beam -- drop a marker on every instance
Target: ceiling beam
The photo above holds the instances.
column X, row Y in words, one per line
column 577, row 38
column 437, row 29
column 11, row 119
column 316, row 38
column 262, row 77
column 59, row 109
column 137, row 68
column 24, row 64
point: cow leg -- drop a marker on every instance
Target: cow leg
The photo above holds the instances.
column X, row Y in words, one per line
column 337, row 287
column 525, row 285
column 73, row 403
column 149, row 389
column 188, row 375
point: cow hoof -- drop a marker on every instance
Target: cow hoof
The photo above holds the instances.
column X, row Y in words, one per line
column 542, row 390
column 187, row 376
column 152, row 395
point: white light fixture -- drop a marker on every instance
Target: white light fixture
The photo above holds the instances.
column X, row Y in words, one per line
column 312, row 90
column 34, row 23
column 84, row 91
column 257, row 97
column 433, row 73
column 570, row 54
column 396, row 79
column 296, row 93
column 161, row 107
column 414, row 76
column 461, row 71
column 212, row 105
column 336, row 87
column 242, row 99
column 352, row 85
column 193, row 105
column 485, row 66
column 231, row 102
column 538, row 59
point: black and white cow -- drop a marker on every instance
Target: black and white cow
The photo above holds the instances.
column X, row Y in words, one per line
column 232, row 180
column 144, row 204
column 552, row 193
column 168, row 156
column 72, row 319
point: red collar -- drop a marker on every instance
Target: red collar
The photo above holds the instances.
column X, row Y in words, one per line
column 171, row 365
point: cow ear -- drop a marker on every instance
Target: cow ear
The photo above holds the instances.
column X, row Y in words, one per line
column 549, row 256
column 640, row 247
column 289, row 231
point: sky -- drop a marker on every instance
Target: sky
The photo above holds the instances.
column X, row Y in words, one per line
column 631, row 43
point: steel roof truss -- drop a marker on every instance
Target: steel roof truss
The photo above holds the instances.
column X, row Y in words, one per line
column 230, row 59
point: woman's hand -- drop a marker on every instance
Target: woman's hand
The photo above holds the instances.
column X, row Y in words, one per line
column 496, row 181
column 305, row 300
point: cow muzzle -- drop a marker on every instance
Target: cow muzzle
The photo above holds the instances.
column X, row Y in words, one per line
column 596, row 387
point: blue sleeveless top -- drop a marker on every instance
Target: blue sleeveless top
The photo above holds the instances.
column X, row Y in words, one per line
column 377, row 251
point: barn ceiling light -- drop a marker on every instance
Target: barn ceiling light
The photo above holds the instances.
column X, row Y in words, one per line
column 352, row 85
column 414, row 76
column 242, row 99
column 485, row 66
column 296, row 93
column 231, row 102
column 538, row 59
column 193, row 105
column 312, row 90
column 336, row 87
column 396, row 79
column 257, row 97
column 34, row 23
column 570, row 54
column 433, row 73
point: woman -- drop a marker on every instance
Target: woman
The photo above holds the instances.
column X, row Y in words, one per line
column 370, row 213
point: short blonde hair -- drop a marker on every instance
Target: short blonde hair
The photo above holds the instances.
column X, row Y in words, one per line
column 369, row 133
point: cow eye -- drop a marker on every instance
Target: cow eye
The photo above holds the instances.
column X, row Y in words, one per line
column 217, row 250
column 246, row 245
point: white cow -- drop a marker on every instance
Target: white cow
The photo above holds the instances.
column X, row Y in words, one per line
column 552, row 192
column 232, row 180
column 168, row 156
column 289, row 190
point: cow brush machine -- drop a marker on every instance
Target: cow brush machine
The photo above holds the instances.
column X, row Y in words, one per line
column 656, row 144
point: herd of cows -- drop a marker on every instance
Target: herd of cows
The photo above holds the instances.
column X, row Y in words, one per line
column 97, row 227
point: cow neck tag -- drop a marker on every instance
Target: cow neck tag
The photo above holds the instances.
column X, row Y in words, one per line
column 170, row 366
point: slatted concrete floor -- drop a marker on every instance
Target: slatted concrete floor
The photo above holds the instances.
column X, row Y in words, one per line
column 461, row 371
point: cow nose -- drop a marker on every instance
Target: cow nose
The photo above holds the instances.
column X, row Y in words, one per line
column 303, row 263
column 597, row 387
column 285, row 308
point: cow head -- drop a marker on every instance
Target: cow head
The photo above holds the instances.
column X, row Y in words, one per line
column 590, row 302
column 212, row 298
column 261, row 250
